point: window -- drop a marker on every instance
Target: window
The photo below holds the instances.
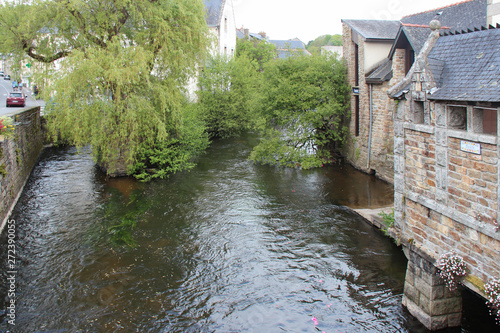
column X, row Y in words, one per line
column 225, row 24
column 457, row 117
column 484, row 120
column 417, row 112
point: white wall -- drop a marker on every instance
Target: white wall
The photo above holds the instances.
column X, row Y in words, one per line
column 375, row 52
column 227, row 30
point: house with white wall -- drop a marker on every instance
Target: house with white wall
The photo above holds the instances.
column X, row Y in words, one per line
column 220, row 20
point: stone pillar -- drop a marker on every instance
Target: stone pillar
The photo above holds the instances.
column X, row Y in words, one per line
column 426, row 296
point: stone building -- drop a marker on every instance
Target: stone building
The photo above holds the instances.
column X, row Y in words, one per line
column 446, row 162
column 378, row 54
column 366, row 46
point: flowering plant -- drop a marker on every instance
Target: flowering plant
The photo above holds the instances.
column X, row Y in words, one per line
column 6, row 127
column 451, row 268
column 492, row 290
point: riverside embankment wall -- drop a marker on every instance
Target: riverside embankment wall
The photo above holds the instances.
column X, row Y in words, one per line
column 18, row 156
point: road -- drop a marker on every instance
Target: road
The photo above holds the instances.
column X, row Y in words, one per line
column 5, row 88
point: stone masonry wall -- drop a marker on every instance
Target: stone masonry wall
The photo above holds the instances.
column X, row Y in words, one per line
column 357, row 148
column 447, row 199
column 18, row 155
column 420, row 163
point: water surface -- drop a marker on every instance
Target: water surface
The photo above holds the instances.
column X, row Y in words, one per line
column 226, row 247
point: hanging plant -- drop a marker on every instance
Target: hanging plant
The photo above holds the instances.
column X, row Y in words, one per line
column 452, row 268
column 492, row 290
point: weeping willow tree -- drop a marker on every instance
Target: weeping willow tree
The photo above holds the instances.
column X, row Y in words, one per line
column 117, row 78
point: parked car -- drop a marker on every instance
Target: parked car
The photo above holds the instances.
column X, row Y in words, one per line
column 16, row 99
column 1, row 73
column 6, row 77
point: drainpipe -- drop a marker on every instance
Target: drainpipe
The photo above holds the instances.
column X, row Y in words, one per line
column 370, row 131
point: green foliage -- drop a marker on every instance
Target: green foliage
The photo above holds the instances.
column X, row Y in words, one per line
column 387, row 219
column 305, row 102
column 228, row 95
column 124, row 66
column 314, row 46
column 256, row 50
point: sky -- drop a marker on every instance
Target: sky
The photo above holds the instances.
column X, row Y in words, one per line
column 309, row 19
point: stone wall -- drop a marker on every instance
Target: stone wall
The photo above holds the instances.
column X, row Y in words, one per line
column 427, row 297
column 358, row 147
column 18, row 156
column 446, row 197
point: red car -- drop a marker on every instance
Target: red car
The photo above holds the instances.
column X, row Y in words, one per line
column 16, row 99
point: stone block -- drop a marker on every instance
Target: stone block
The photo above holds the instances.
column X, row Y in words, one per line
column 399, row 202
column 455, row 320
column 399, row 130
column 399, row 164
column 446, row 306
column 437, row 292
column 441, row 156
column 438, row 322
column 440, row 113
column 423, row 287
column 399, row 143
column 418, row 313
column 441, row 137
column 411, row 293
column 424, row 303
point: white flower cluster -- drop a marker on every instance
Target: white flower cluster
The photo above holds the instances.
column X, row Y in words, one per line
column 492, row 290
column 451, row 268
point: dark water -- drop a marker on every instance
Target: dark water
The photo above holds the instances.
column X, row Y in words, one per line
column 227, row 247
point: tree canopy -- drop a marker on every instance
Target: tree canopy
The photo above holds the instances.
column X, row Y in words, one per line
column 305, row 104
column 124, row 68
column 314, row 46
column 256, row 50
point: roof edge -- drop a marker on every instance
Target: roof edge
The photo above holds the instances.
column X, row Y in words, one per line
column 431, row 10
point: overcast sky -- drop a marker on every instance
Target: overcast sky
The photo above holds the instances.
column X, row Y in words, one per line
column 308, row 19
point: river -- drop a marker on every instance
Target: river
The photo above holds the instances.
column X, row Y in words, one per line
column 228, row 246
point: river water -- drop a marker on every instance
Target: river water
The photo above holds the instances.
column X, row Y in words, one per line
column 226, row 247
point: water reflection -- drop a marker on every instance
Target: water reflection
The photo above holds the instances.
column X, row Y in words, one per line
column 227, row 247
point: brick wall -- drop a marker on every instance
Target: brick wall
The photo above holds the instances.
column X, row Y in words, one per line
column 18, row 156
column 420, row 151
column 447, row 199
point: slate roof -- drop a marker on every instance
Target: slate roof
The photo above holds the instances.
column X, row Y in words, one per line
column 467, row 67
column 374, row 29
column 459, row 16
column 416, row 35
column 288, row 44
column 285, row 48
column 241, row 34
column 382, row 73
column 214, row 11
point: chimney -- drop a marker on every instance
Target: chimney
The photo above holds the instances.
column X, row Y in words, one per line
column 263, row 34
column 246, row 32
column 493, row 12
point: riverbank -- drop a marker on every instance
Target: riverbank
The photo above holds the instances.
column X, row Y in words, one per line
column 18, row 156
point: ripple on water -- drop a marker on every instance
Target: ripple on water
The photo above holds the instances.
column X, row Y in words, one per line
column 227, row 247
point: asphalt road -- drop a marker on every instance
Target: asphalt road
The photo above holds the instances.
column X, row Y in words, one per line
column 5, row 88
